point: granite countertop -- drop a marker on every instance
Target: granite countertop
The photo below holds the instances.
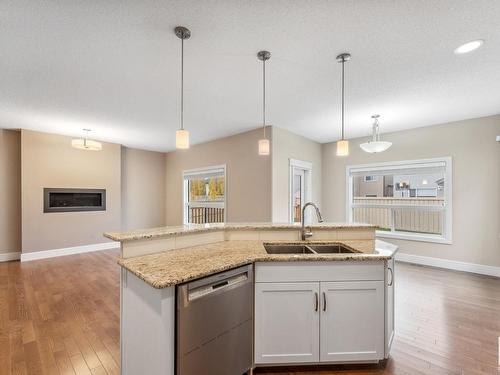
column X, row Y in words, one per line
column 174, row 267
column 141, row 234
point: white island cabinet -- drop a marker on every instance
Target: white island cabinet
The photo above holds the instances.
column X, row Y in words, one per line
column 352, row 321
column 278, row 307
column 389, row 304
column 323, row 312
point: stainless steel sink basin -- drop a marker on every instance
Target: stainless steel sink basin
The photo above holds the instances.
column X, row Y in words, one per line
column 312, row 248
column 330, row 249
column 287, row 249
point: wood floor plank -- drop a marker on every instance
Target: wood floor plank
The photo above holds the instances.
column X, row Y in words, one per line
column 64, row 363
column 61, row 316
column 99, row 371
column 79, row 365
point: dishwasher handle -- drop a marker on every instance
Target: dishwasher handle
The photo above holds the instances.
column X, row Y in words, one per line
column 205, row 287
column 220, row 285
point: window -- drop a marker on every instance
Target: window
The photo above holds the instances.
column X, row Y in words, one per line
column 205, row 195
column 300, row 188
column 408, row 199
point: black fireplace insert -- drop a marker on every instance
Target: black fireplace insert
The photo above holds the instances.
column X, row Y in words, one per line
column 73, row 200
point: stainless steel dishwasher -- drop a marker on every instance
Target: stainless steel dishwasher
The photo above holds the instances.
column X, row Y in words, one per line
column 215, row 323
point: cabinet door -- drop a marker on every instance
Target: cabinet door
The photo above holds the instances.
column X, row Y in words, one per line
column 389, row 305
column 352, row 321
column 286, row 322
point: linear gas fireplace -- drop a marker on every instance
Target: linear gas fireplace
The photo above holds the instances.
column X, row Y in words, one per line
column 73, row 200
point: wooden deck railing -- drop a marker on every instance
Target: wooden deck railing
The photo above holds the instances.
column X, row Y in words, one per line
column 298, row 213
column 204, row 215
column 422, row 215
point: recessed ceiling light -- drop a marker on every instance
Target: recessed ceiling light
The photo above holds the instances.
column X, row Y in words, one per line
column 469, row 46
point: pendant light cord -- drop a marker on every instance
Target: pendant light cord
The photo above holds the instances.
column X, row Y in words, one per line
column 182, row 83
column 264, row 96
column 343, row 61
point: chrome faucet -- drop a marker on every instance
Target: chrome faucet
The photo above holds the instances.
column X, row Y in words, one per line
column 307, row 234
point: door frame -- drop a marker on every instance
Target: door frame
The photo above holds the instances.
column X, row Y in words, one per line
column 307, row 167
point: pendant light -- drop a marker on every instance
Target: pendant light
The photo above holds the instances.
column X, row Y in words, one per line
column 85, row 143
column 182, row 135
column 343, row 144
column 375, row 145
column 264, row 146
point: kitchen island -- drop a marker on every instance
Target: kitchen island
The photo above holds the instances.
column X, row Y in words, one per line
column 308, row 308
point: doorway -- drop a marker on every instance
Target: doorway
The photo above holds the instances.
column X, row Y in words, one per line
column 300, row 188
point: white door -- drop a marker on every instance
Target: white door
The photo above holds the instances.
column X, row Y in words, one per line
column 286, row 322
column 389, row 303
column 298, row 194
column 352, row 321
column 300, row 188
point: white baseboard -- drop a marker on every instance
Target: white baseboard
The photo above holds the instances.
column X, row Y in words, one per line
column 68, row 251
column 6, row 257
column 449, row 264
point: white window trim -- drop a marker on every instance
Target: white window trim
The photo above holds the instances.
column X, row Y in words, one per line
column 447, row 237
column 185, row 190
column 308, row 167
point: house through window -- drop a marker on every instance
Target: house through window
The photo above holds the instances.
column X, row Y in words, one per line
column 409, row 200
column 205, row 195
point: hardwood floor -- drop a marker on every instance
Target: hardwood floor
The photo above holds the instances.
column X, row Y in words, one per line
column 61, row 316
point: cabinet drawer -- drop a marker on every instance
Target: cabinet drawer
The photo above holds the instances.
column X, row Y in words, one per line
column 319, row 271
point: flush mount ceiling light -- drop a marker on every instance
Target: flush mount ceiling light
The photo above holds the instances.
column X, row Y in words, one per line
column 264, row 147
column 469, row 46
column 375, row 145
column 182, row 135
column 343, row 144
column 85, row 143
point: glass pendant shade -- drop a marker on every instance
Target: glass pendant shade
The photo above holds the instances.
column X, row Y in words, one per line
column 342, row 147
column 264, row 147
column 375, row 146
column 182, row 139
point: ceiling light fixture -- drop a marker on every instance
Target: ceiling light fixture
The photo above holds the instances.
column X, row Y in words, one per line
column 264, row 146
column 85, row 143
column 343, row 144
column 469, row 46
column 182, row 135
column 375, row 145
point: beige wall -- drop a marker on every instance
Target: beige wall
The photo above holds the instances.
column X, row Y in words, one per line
column 476, row 184
column 286, row 146
column 143, row 189
column 48, row 160
column 10, row 191
column 248, row 176
column 363, row 188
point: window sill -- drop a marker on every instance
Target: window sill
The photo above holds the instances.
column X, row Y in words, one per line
column 414, row 237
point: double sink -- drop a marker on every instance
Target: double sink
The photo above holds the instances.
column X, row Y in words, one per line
column 308, row 248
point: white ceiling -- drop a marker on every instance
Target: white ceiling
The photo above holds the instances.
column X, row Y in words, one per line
column 113, row 66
